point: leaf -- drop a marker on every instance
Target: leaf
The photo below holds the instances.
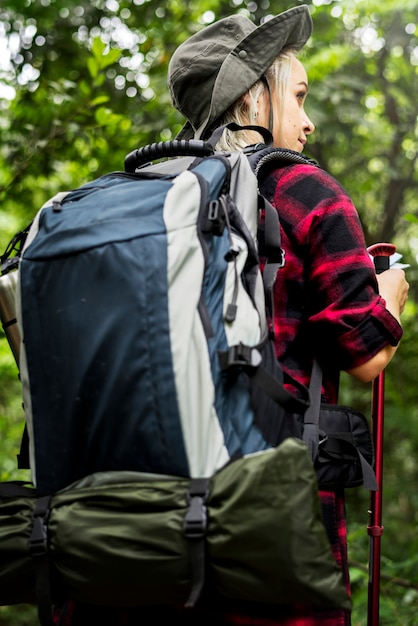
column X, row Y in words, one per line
column 110, row 57
column 93, row 67
column 102, row 116
column 410, row 217
column 99, row 100
column 98, row 47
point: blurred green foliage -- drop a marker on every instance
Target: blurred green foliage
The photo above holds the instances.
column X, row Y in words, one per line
column 84, row 83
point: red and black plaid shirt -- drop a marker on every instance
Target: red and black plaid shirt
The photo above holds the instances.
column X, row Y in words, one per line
column 326, row 296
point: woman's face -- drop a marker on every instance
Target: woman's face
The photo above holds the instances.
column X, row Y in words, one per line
column 291, row 124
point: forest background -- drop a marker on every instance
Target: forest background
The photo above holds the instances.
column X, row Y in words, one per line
column 84, row 83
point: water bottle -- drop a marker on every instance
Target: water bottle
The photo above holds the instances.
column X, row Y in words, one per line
column 8, row 285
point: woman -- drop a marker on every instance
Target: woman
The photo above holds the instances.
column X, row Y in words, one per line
column 329, row 305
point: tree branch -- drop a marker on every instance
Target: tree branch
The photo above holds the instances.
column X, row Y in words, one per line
column 394, row 580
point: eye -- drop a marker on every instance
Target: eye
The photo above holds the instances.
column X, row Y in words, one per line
column 301, row 95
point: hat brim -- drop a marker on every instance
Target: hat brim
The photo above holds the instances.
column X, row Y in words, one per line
column 250, row 59
column 186, row 132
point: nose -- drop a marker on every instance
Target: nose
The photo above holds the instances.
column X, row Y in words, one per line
column 308, row 126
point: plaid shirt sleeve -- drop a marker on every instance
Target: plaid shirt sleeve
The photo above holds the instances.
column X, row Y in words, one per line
column 326, row 295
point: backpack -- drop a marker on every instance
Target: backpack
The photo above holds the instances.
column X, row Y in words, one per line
column 140, row 296
column 149, row 383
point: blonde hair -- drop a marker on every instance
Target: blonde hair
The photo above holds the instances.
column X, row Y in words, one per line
column 244, row 110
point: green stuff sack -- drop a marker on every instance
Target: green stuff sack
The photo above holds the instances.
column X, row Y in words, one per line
column 266, row 538
column 118, row 539
column 122, row 544
column 17, row 567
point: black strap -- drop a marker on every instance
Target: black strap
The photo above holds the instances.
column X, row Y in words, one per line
column 23, row 455
column 17, row 489
column 38, row 547
column 268, row 383
column 311, row 418
column 269, row 247
column 195, row 525
column 249, row 359
column 340, row 445
column 269, row 243
column 262, row 130
column 369, row 476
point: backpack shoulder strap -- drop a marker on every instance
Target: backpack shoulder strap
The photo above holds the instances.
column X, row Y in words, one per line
column 261, row 157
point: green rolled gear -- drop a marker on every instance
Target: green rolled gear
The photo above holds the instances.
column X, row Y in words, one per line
column 117, row 539
column 266, row 538
column 17, row 568
column 122, row 544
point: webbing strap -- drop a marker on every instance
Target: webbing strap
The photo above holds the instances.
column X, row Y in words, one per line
column 311, row 418
column 268, row 383
column 17, row 489
column 369, row 477
column 195, row 525
column 38, row 548
column 269, row 242
column 23, row 455
column 341, row 445
column 249, row 359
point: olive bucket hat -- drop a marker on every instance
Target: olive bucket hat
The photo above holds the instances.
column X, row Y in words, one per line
column 214, row 67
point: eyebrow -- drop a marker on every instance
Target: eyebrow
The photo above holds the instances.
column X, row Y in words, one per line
column 302, row 82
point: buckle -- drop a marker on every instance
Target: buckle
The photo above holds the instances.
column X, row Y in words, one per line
column 242, row 355
column 196, row 518
column 38, row 542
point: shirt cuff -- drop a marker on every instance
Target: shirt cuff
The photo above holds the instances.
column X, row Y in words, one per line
column 376, row 331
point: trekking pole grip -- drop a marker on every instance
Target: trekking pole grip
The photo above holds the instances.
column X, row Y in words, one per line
column 381, row 253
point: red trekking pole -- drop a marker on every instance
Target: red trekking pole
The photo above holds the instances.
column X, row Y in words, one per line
column 380, row 253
